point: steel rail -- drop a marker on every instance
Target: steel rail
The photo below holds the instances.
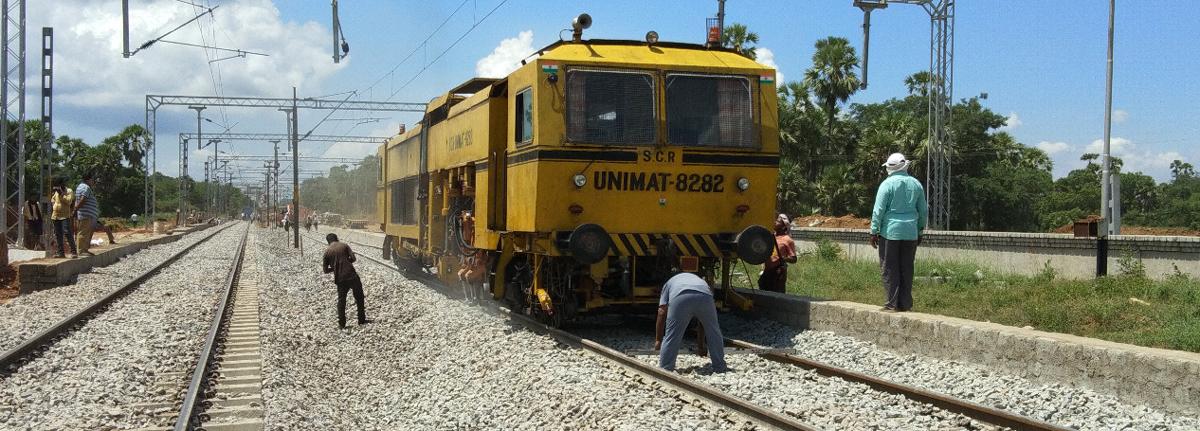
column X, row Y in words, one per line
column 970, row 409
column 13, row 359
column 204, row 362
column 683, row 384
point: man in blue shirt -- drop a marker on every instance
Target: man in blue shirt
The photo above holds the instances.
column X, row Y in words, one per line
column 896, row 222
column 686, row 296
column 87, row 212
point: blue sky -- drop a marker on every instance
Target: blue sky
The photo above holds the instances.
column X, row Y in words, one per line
column 1041, row 63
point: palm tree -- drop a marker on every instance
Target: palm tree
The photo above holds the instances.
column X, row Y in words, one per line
column 832, row 80
column 740, row 38
column 799, row 119
column 831, row 77
column 918, row 83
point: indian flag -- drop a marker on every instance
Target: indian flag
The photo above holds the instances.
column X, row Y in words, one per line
column 550, row 67
column 766, row 78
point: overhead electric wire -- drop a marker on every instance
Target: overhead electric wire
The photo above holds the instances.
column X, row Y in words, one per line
column 417, row 48
column 239, row 51
column 335, row 109
column 152, row 41
column 452, row 45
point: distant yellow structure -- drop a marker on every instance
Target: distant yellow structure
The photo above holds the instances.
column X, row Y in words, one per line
column 577, row 182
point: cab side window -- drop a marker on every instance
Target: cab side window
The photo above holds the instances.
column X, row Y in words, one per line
column 524, row 117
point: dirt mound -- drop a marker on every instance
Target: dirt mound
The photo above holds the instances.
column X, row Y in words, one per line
column 846, row 222
column 1136, row 230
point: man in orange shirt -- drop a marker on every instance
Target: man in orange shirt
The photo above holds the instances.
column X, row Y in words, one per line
column 774, row 275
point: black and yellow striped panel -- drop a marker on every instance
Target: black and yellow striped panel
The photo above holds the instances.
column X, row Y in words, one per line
column 644, row 244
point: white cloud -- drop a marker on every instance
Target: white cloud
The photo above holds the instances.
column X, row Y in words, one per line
column 1119, row 116
column 90, row 71
column 506, row 57
column 1011, row 122
column 1116, row 145
column 1136, row 159
column 1052, row 148
column 354, row 150
column 767, row 58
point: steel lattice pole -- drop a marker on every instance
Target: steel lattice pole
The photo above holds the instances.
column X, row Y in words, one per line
column 13, row 35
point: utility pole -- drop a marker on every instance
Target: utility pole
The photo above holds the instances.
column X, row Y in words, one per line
column 867, row 7
column 295, row 172
column 339, row 39
column 720, row 21
column 337, row 26
column 275, row 178
column 206, row 183
column 184, row 191
column 125, row 27
column 1109, row 201
column 266, row 196
column 216, row 191
column 48, row 125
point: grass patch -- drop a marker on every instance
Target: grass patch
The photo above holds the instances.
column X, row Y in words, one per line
column 1127, row 308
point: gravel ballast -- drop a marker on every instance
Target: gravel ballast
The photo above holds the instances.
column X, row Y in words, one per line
column 127, row 365
column 28, row 314
column 429, row 362
column 1064, row 405
column 825, row 402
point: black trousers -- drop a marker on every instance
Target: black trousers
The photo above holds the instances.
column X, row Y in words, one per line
column 896, row 265
column 354, row 285
column 774, row 280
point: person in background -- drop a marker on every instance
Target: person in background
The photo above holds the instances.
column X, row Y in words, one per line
column 62, row 201
column 686, row 296
column 87, row 212
column 34, row 222
column 339, row 260
column 899, row 216
column 774, row 274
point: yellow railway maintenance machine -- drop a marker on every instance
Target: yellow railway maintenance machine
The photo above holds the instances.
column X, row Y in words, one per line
column 575, row 183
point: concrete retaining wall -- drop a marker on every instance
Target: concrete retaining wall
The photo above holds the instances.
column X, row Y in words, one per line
column 1027, row 253
column 50, row 273
column 1164, row 379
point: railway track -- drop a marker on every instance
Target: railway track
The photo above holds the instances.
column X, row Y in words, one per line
column 12, row 360
column 225, row 389
column 967, row 408
column 680, row 384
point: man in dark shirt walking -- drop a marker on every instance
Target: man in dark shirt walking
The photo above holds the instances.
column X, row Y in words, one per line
column 339, row 260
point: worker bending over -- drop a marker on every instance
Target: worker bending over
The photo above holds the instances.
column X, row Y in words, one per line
column 339, row 260
column 686, row 296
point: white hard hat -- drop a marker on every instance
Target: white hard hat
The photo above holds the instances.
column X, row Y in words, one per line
column 895, row 160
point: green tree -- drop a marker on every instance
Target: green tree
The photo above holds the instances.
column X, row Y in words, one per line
column 831, row 78
column 350, row 191
column 1179, row 169
column 741, row 39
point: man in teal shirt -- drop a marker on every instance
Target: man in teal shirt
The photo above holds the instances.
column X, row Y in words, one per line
column 896, row 222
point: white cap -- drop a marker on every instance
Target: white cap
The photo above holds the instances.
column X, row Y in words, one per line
column 895, row 160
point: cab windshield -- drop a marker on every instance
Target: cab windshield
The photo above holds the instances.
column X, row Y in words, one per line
column 710, row 111
column 611, row 107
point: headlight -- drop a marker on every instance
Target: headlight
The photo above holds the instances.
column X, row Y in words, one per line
column 579, row 180
column 743, row 184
